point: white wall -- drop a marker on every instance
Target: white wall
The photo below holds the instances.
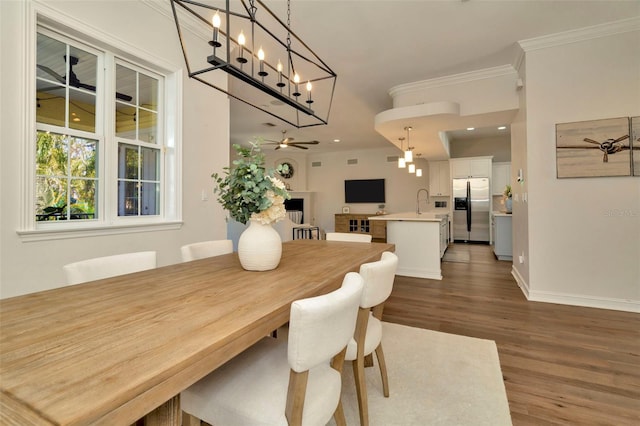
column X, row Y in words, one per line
column 584, row 234
column 32, row 266
column 328, row 179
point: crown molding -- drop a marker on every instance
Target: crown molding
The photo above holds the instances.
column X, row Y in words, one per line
column 465, row 77
column 581, row 34
column 188, row 21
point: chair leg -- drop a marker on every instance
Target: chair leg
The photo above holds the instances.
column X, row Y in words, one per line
column 368, row 360
column 383, row 370
column 338, row 415
column 189, row 420
column 361, row 390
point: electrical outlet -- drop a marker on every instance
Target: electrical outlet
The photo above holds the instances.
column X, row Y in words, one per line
column 521, row 258
column 205, row 195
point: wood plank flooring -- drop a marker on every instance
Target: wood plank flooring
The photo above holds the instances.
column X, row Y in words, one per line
column 562, row 365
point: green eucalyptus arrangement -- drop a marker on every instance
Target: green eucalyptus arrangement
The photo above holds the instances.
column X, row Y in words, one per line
column 507, row 191
column 248, row 190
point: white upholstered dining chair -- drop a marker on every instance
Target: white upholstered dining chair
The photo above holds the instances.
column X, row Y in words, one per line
column 204, row 249
column 285, row 381
column 109, row 266
column 348, row 236
column 378, row 282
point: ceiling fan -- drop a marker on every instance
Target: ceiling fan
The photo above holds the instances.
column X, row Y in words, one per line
column 73, row 78
column 287, row 141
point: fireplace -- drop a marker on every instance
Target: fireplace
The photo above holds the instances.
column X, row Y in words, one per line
column 302, row 201
column 295, row 204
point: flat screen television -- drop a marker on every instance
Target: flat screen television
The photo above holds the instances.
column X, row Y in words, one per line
column 364, row 191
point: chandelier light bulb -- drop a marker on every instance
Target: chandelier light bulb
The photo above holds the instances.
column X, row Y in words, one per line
column 309, row 86
column 401, row 163
column 419, row 173
column 280, row 84
column 241, row 42
column 412, row 168
column 215, row 21
column 262, row 73
column 296, row 78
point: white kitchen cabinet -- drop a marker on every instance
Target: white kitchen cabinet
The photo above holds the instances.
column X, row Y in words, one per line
column 470, row 167
column 444, row 235
column 439, row 180
column 500, row 177
column 502, row 246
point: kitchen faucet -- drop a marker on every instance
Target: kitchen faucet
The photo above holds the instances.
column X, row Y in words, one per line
column 418, row 199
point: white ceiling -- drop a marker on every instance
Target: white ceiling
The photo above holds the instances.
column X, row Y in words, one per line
column 376, row 45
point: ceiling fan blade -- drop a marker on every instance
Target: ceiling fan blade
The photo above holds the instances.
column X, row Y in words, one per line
column 307, row 143
column 621, row 138
column 85, row 86
column 591, row 141
column 52, row 73
column 123, row 97
column 287, row 140
column 298, row 146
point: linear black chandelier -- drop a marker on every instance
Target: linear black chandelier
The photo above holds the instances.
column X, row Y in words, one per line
column 270, row 64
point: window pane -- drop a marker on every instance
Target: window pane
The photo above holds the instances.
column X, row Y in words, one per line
column 60, row 159
column 150, row 198
column 126, row 85
column 148, row 92
column 147, row 126
column 50, row 59
column 83, row 199
column 127, row 161
column 50, row 103
column 83, row 157
column 150, row 164
column 82, row 110
column 51, row 154
column 125, row 121
column 82, row 69
column 127, row 198
column 51, row 198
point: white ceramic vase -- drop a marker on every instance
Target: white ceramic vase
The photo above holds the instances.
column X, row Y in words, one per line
column 259, row 247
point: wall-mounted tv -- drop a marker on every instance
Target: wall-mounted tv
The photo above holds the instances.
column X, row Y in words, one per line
column 364, row 191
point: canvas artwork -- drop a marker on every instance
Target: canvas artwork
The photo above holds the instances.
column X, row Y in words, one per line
column 593, row 148
column 635, row 145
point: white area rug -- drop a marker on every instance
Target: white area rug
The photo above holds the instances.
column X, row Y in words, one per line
column 434, row 379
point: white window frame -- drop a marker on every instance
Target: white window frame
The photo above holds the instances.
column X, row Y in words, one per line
column 40, row 16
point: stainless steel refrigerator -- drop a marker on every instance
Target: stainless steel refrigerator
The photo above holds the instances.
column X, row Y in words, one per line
column 471, row 209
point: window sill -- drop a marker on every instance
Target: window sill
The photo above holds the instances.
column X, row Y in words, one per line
column 95, row 231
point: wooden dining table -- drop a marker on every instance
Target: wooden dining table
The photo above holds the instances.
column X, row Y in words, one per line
column 111, row 351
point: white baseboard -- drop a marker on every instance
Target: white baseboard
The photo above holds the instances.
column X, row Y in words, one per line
column 419, row 273
column 524, row 286
column 573, row 299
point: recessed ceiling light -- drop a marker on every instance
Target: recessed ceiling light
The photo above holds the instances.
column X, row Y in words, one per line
column 336, row 140
column 471, row 128
column 502, row 127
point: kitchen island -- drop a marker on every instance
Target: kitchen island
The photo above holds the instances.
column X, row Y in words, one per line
column 420, row 241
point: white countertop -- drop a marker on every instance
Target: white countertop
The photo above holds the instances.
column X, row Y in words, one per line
column 497, row 213
column 412, row 216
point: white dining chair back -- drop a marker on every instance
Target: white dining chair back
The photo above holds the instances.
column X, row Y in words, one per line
column 378, row 283
column 204, row 249
column 348, row 236
column 285, row 381
column 109, row 266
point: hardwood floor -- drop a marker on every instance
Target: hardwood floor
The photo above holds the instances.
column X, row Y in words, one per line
column 561, row 364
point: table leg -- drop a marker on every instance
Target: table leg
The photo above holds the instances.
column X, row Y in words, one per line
column 168, row 413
